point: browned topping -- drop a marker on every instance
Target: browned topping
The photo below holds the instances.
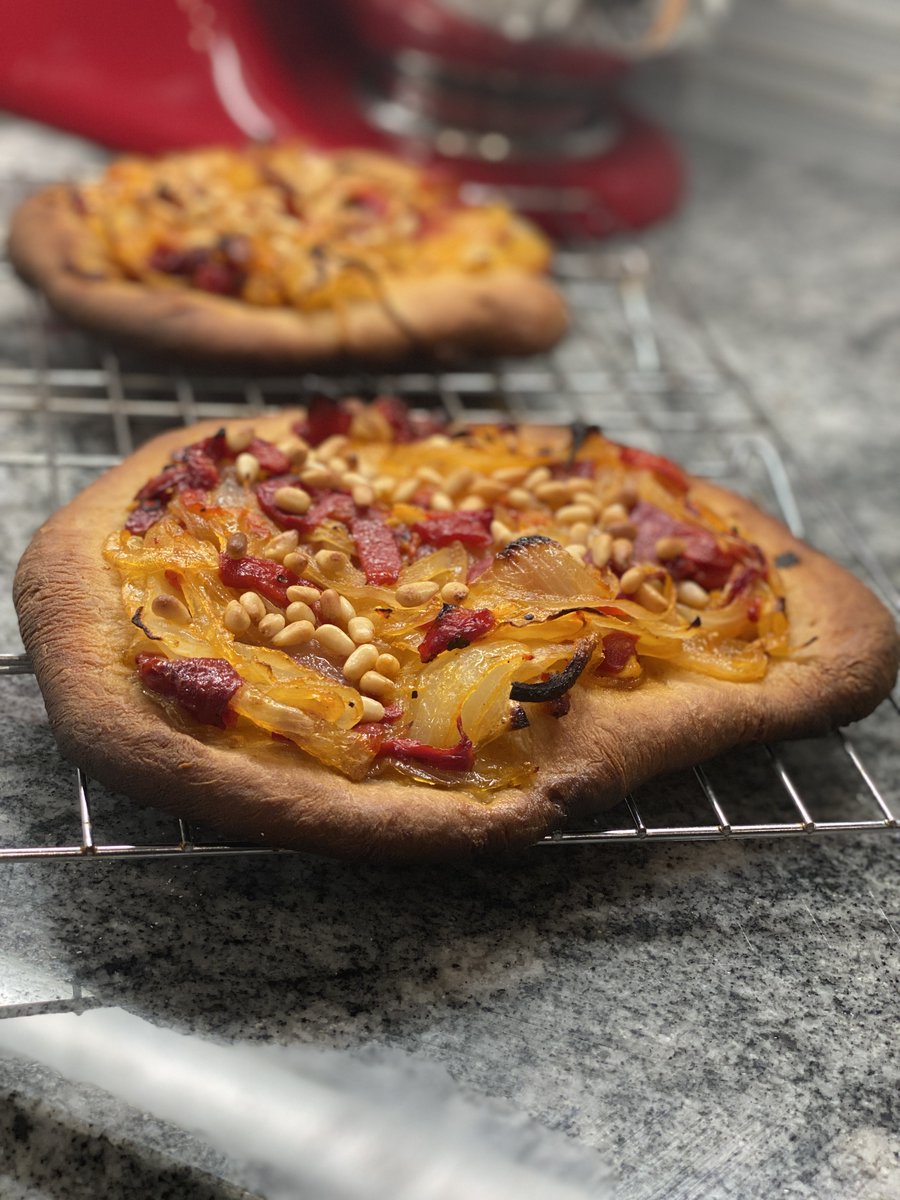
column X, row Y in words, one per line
column 236, row 546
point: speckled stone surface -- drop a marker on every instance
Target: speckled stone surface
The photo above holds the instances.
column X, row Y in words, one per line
column 711, row 1020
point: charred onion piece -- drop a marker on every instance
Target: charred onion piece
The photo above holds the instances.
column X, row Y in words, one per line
column 559, row 682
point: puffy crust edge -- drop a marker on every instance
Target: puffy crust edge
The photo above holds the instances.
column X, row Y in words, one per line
column 68, row 602
column 447, row 317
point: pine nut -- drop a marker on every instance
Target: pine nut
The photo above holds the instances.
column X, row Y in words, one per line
column 413, row 595
column 361, row 630
column 295, row 634
column 511, row 475
column 580, row 532
column 352, row 478
column 271, row 624
column 383, row 486
column 236, row 546
column 296, row 449
column 536, row 477
column 470, row 504
column 299, row 611
column 553, row 493
column 336, row 444
column 500, row 532
column 300, row 591
column 363, row 495
column 622, row 529
column 518, row 498
column 246, row 467
column 570, row 513
column 170, row 608
column 372, row 710
column 406, row 490
column 293, row 499
column 601, row 549
column 235, row 618
column 577, row 552
column 333, row 639
column 629, row 496
column 430, row 475
column 613, row 513
column 238, row 437
column 669, row 547
column 330, row 607
column 454, row 593
column 458, row 481
column 588, row 499
column 692, row 594
column 331, row 562
column 651, row 598
column 440, row 502
column 296, row 561
column 254, row 606
column 318, row 476
column 622, row 550
column 631, row 580
column 387, row 665
column 373, row 684
column 281, row 545
column 362, row 659
column 489, row 489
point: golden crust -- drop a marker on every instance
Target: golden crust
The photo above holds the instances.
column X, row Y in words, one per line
column 69, row 606
column 448, row 317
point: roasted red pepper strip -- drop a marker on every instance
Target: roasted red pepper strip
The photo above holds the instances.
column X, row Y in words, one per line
column 271, row 579
column 376, row 547
column 337, row 506
column 271, row 460
column 618, row 650
column 192, row 467
column 473, row 529
column 407, row 426
column 455, row 628
column 324, row 419
column 667, row 471
column 202, row 686
column 460, row 757
column 703, row 560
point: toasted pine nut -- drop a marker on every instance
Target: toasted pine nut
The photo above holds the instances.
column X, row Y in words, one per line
column 580, row 532
column 379, row 686
column 470, row 504
column 238, row 437
column 651, row 597
column 298, row 610
column 331, row 562
column 587, row 498
column 330, row 607
column 362, row 659
column 351, row 478
column 552, row 493
column 489, row 489
column 518, row 497
column 281, row 545
column 372, row 710
column 413, row 595
column 363, row 495
column 622, row 550
column 295, row 634
column 388, row 665
column 300, row 591
column 458, row 482
column 254, row 605
column 293, row 500
column 296, row 449
column 613, row 513
column 692, row 594
column 631, row 580
column 333, row 639
column 236, row 546
column 406, row 490
column 235, row 618
column 271, row 624
column 318, row 475
column 536, row 477
column 430, row 475
column 246, row 467
column 454, row 592
column 296, row 561
column 511, row 475
column 622, row 529
column 170, row 608
column 601, row 549
column 669, row 547
column 360, row 629
column 440, row 502
column 500, row 532
column 570, row 513
column 336, row 444
column 577, row 551
column 383, row 486
column 628, row 496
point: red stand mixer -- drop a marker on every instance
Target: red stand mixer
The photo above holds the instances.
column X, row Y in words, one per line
column 509, row 93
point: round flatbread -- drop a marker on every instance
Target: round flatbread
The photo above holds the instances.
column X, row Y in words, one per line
column 280, row 257
column 843, row 661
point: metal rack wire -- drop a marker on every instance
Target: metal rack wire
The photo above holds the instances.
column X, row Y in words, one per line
column 70, row 408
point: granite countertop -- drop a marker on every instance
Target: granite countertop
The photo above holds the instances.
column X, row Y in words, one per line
column 653, row 1022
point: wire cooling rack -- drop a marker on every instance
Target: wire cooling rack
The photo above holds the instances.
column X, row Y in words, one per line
column 70, row 407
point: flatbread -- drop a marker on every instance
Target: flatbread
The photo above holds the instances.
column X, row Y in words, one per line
column 69, row 604
column 445, row 311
